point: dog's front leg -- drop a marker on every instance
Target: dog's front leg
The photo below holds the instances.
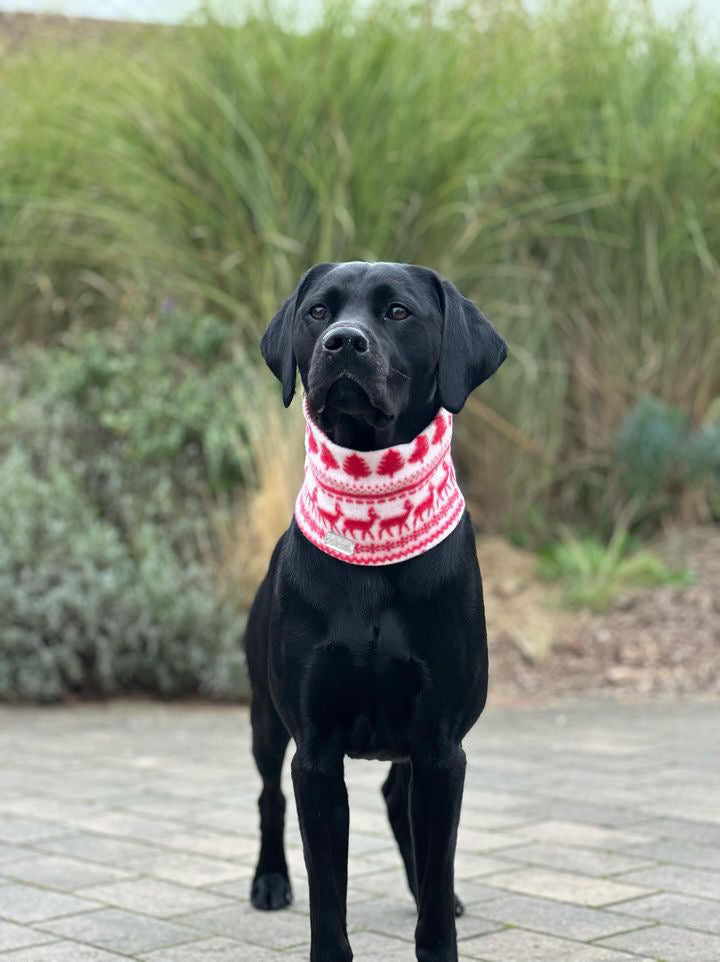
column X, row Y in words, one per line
column 322, row 805
column 435, row 800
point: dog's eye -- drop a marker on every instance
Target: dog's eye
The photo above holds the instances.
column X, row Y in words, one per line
column 318, row 312
column 397, row 312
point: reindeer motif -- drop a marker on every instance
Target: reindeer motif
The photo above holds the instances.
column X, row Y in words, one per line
column 330, row 518
column 442, row 484
column 363, row 525
column 424, row 506
column 398, row 521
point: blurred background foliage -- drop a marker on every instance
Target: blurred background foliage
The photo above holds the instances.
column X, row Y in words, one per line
column 161, row 195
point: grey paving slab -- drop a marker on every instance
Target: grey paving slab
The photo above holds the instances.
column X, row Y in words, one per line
column 585, row 861
column 14, row 936
column 196, row 870
column 566, row 886
column 566, row 832
column 494, row 801
column 669, row 943
column 669, row 907
column 18, row 830
column 473, row 891
column 679, row 828
column 240, row 888
column 682, row 852
column 127, row 825
column 556, row 918
column 63, row 952
column 214, row 950
column 677, row 878
column 383, row 882
column 482, row 841
column 699, row 809
column 10, row 854
column 485, row 819
column 371, row 947
column 603, row 815
column 469, row 865
column 533, row 947
column 28, row 903
column 65, row 874
column 590, row 833
column 123, row 932
column 213, row 844
column 155, row 897
column 96, row 848
column 281, row 930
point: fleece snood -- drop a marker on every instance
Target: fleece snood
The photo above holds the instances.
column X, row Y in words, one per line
column 379, row 507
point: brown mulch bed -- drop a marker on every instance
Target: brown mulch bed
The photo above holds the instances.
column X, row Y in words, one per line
column 653, row 641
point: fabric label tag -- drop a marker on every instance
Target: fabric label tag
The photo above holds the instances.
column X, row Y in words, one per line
column 339, row 543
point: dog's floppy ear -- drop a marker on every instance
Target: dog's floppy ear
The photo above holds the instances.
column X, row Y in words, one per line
column 277, row 349
column 277, row 341
column 471, row 348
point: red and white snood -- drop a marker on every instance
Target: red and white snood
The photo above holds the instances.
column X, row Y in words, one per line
column 379, row 507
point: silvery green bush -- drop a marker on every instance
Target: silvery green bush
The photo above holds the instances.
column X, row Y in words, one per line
column 103, row 588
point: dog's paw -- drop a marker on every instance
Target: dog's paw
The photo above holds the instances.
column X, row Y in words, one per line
column 339, row 952
column 459, row 908
column 271, row 891
column 435, row 955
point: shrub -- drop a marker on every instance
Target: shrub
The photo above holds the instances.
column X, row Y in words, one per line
column 85, row 612
column 163, row 387
column 117, row 453
column 658, row 453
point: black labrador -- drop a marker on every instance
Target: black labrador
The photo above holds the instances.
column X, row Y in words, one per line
column 404, row 645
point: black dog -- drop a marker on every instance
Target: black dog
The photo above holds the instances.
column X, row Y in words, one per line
column 385, row 662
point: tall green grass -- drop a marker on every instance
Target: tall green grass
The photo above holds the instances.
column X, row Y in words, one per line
column 561, row 166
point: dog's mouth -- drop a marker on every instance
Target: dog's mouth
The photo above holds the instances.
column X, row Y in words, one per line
column 349, row 394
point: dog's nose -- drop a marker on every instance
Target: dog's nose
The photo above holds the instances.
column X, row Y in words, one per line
column 345, row 336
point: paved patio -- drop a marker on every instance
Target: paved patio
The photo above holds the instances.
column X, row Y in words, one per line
column 590, row 834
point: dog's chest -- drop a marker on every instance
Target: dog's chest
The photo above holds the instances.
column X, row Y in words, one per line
column 364, row 682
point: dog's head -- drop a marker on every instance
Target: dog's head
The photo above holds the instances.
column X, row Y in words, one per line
column 374, row 341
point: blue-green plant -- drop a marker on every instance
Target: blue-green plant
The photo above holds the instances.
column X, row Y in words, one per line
column 658, row 453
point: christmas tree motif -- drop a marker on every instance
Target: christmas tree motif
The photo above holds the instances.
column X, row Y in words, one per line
column 355, row 467
column 390, row 463
column 312, row 443
column 440, row 426
column 327, row 458
column 420, row 449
